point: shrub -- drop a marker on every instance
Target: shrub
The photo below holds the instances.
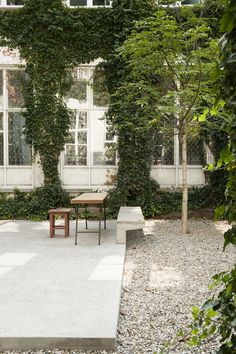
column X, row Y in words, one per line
column 33, row 205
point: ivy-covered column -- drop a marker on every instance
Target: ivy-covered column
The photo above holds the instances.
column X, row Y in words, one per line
column 47, row 118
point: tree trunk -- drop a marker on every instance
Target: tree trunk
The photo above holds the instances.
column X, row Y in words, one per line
column 184, row 224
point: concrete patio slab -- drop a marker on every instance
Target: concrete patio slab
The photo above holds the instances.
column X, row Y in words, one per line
column 54, row 294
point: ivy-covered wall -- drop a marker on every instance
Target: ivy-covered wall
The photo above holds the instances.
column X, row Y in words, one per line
column 53, row 38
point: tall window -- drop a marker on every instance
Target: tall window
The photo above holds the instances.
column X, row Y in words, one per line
column 1, row 89
column 105, row 145
column 77, row 96
column 19, row 152
column 12, row 139
column 76, row 145
column 1, row 117
column 163, row 148
column 1, row 138
column 101, row 96
column 195, row 151
column 15, row 82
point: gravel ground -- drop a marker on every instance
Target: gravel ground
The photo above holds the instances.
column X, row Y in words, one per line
column 166, row 273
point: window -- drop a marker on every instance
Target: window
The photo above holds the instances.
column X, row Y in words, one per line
column 100, row 93
column 107, row 155
column 101, row 3
column 19, row 152
column 76, row 145
column 1, row 138
column 1, row 88
column 163, row 148
column 88, row 3
column 78, row 2
column 195, row 151
column 11, row 118
column 77, row 96
column 15, row 83
column 15, row 2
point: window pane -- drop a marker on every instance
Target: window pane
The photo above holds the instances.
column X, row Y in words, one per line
column 70, row 155
column 1, row 88
column 195, row 151
column 110, row 153
column 101, row 2
column 15, row 2
column 1, row 139
column 163, row 148
column 70, row 138
column 110, row 133
column 82, row 155
column 16, row 79
column 78, row 91
column 82, row 137
column 1, row 121
column 78, row 2
column 100, row 92
column 72, row 120
column 82, row 124
column 19, row 152
column 108, row 157
column 76, row 146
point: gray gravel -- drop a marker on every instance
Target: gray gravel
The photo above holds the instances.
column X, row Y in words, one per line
column 166, row 273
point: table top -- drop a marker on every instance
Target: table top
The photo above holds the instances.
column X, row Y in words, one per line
column 89, row 198
column 60, row 210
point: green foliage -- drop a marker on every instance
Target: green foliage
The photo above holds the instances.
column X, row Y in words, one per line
column 163, row 70
column 34, row 205
column 161, row 202
column 217, row 317
column 228, row 155
column 53, row 38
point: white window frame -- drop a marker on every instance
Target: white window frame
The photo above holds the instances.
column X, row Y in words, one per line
column 76, row 131
column 6, row 110
column 3, row 3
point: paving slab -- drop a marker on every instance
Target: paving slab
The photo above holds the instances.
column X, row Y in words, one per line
column 54, row 294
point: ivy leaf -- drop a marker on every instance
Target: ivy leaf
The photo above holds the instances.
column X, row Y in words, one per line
column 230, row 237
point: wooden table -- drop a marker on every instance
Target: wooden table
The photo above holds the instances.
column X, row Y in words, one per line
column 91, row 199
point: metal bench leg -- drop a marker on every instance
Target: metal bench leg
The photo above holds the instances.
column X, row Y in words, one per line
column 76, row 223
column 86, row 217
column 105, row 216
column 100, row 222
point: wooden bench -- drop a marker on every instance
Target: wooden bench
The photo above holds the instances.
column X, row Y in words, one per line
column 129, row 218
column 63, row 212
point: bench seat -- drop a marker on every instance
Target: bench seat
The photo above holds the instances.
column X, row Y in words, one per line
column 129, row 218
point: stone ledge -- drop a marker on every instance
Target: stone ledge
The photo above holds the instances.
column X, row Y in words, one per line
column 129, row 218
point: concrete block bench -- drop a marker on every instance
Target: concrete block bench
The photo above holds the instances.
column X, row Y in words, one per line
column 129, row 218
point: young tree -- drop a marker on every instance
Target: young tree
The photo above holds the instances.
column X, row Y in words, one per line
column 169, row 60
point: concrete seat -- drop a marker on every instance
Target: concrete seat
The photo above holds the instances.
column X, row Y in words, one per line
column 129, row 218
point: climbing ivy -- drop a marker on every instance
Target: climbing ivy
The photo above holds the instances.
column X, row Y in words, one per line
column 53, row 38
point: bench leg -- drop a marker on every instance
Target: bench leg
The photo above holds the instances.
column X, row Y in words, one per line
column 52, row 224
column 120, row 234
column 66, row 220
